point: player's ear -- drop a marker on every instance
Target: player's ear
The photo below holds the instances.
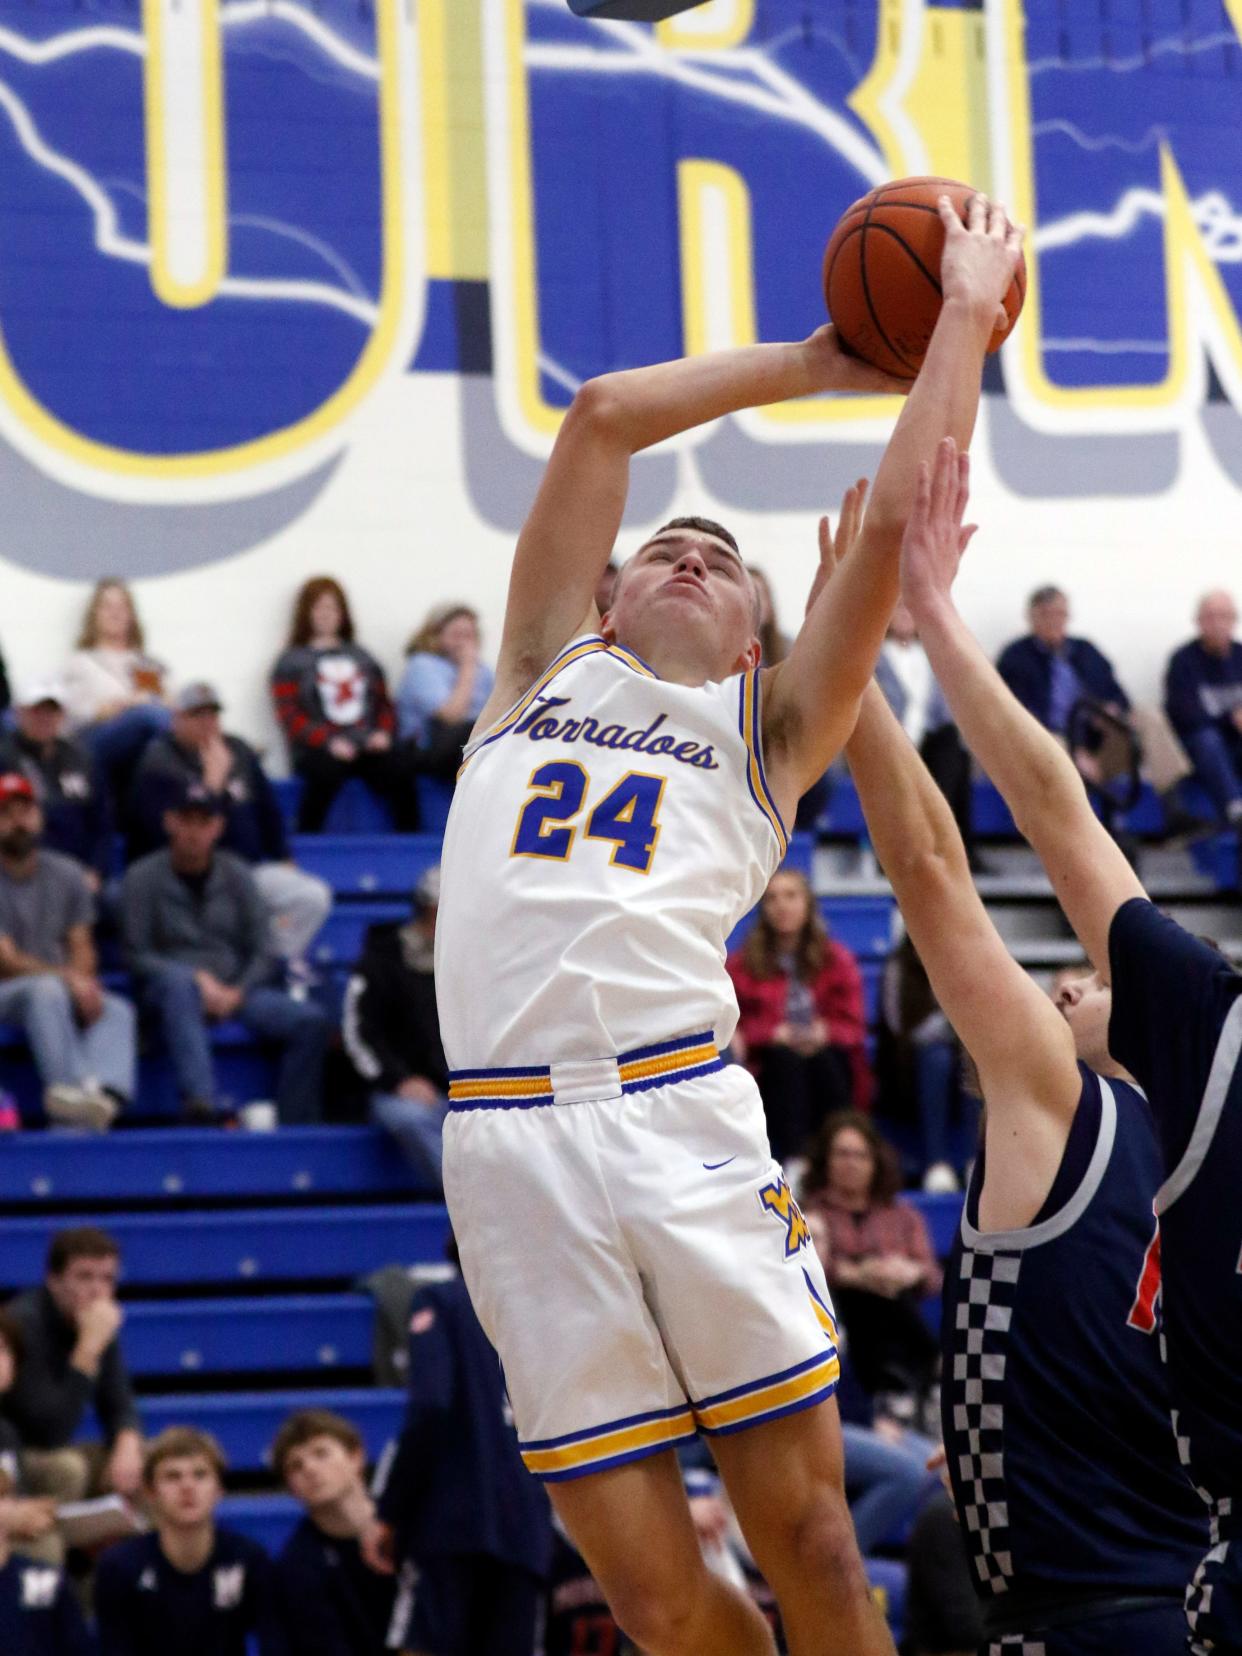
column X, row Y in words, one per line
column 749, row 657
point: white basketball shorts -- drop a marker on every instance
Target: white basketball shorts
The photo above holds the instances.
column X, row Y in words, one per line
column 634, row 1254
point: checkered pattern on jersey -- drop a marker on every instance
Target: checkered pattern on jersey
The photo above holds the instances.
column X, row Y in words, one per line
column 1014, row 1644
column 980, row 1347
column 1202, row 1585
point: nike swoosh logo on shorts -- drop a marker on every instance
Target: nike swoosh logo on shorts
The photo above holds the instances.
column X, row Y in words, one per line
column 712, row 1166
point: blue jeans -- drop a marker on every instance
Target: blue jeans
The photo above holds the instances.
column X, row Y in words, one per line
column 1214, row 757
column 301, row 1028
column 418, row 1129
column 885, row 1483
column 64, row 1053
column 116, row 744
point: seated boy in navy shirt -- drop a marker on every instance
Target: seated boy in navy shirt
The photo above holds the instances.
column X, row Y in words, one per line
column 188, row 1586
column 331, row 1603
column 39, row 1616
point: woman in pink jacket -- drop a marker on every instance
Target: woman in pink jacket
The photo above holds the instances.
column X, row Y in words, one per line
column 802, row 1026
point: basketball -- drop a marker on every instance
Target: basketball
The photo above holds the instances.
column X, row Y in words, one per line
column 882, row 273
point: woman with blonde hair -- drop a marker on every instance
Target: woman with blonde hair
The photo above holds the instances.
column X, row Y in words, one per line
column 801, row 1026
column 444, row 686
column 114, row 691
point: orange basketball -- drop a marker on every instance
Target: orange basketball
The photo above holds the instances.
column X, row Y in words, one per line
column 882, row 273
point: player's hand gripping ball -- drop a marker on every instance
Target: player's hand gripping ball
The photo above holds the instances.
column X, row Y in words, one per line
column 882, row 273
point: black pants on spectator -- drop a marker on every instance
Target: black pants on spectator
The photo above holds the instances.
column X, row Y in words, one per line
column 798, row 1093
column 390, row 774
column 890, row 1346
column 949, row 762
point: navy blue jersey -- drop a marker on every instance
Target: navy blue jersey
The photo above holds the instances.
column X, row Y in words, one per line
column 457, row 1484
column 1055, row 1402
column 329, row 1602
column 147, row 1607
column 1177, row 1027
column 39, row 1615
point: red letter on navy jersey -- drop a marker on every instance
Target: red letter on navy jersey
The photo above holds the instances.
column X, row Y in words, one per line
column 1143, row 1311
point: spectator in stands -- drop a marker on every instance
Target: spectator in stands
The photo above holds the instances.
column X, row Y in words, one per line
column 332, row 702
column 917, row 1063
column 943, row 1616
column 774, row 645
column 330, row 1601
column 77, row 817
column 1203, row 698
column 196, row 934
column 71, row 1362
column 443, row 687
column 881, row 1261
column 27, row 1520
column 904, row 674
column 391, row 1030
column 802, row 1027
column 188, row 1586
column 39, row 1614
column 1048, row 671
column 81, row 1036
column 114, row 690
column 196, row 749
column 459, row 1513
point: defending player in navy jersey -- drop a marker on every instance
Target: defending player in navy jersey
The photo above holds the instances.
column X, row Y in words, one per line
column 630, row 1246
column 1166, row 1009
column 1080, row 1523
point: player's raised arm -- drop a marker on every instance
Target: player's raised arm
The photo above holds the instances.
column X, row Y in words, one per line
column 1036, row 777
column 1021, row 1046
column 569, row 535
column 811, row 698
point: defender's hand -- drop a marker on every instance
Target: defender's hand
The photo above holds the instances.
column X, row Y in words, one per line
column 832, row 548
column 980, row 257
column 935, row 537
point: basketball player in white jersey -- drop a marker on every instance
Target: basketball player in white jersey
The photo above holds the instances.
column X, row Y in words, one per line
column 630, row 1246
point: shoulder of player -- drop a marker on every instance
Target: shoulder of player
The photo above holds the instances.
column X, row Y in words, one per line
column 517, row 672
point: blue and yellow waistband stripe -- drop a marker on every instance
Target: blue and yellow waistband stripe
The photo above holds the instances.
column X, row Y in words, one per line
column 609, row 1445
column 661, row 1065
column 749, row 725
column 780, row 1394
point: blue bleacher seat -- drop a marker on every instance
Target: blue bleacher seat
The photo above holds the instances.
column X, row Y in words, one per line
column 244, row 1423
column 195, row 1162
column 250, row 1245
column 942, row 1212
column 267, row 1519
column 339, row 941
column 888, row 1582
column 236, row 1336
column 863, row 924
column 367, row 865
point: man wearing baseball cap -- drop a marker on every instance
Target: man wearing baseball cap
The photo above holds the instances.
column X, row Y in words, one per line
column 77, row 818
column 196, row 935
column 198, row 749
column 81, row 1037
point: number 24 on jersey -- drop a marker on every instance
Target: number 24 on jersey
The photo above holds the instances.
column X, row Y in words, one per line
column 628, row 815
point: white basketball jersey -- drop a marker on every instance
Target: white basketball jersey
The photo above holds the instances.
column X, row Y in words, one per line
column 605, row 838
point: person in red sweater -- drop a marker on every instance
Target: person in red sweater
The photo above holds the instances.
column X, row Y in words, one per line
column 882, row 1261
column 802, row 1027
column 332, row 701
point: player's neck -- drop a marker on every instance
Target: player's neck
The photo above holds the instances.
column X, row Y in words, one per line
column 347, row 1516
column 1111, row 1070
column 188, row 1548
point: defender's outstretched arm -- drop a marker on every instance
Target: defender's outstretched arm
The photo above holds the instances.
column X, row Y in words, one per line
column 811, row 698
column 572, row 527
column 1022, row 1047
column 1036, row 777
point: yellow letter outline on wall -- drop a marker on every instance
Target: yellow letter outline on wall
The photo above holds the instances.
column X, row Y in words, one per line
column 1199, row 309
column 183, row 98
column 281, row 455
